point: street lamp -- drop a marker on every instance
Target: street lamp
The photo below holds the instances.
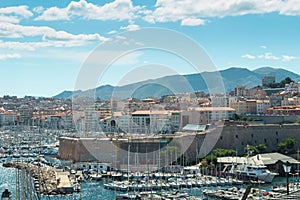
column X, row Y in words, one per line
column 287, row 168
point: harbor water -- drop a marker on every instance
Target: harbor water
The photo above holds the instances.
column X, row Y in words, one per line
column 93, row 190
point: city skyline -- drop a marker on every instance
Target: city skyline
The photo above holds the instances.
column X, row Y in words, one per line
column 44, row 44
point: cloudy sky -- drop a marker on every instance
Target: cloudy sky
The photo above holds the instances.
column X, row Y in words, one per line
column 43, row 44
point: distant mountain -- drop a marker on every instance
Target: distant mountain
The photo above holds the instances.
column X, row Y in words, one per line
column 280, row 74
column 64, row 95
column 186, row 83
column 240, row 76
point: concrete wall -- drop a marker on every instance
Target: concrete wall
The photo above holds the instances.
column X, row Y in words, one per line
column 193, row 145
column 269, row 119
column 237, row 137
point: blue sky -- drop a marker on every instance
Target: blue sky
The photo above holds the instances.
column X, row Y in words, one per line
column 43, row 44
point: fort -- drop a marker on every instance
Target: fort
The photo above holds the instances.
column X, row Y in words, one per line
column 164, row 149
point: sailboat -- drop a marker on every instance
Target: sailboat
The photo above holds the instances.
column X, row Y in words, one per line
column 6, row 195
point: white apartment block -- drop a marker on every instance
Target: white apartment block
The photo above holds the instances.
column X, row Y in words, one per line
column 262, row 106
column 146, row 121
column 206, row 115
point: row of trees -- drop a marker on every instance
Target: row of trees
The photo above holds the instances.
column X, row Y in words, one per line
column 286, row 146
column 281, row 84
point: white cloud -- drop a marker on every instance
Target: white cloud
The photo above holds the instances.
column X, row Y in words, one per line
column 189, row 12
column 130, row 27
column 17, row 10
column 248, row 56
column 9, row 56
column 290, row 7
column 192, row 22
column 17, row 45
column 116, row 10
column 269, row 56
column 64, row 36
column 112, row 32
column 168, row 10
column 286, row 58
column 53, row 13
column 9, row 30
column 17, row 31
column 9, row 19
column 38, row 9
column 172, row 11
column 263, row 47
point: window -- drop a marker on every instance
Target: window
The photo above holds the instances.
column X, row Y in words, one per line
column 236, row 136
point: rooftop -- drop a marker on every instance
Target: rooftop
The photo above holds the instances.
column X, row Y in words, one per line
column 259, row 159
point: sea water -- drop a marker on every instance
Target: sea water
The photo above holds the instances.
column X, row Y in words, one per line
column 92, row 190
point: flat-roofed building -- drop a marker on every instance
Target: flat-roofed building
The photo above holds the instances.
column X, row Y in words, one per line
column 251, row 106
column 206, row 115
column 284, row 110
column 7, row 118
column 240, row 107
column 262, row 106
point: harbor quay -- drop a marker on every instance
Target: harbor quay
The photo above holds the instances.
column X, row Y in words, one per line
column 191, row 146
column 37, row 179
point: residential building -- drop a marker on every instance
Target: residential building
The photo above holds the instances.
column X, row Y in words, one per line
column 91, row 121
column 206, row 115
column 251, row 106
column 240, row 107
column 262, row 106
column 240, row 91
column 284, row 110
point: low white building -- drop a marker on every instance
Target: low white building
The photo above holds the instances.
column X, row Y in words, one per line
column 91, row 166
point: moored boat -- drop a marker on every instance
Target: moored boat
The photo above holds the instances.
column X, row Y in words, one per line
column 6, row 195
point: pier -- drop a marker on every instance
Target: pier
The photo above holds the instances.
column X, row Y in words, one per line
column 45, row 180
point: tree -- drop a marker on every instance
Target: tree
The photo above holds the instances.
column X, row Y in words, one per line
column 287, row 145
column 223, row 152
column 211, row 159
column 298, row 120
column 262, row 148
column 252, row 150
column 281, row 84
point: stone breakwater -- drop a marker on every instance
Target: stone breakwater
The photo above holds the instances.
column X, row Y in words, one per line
column 46, row 180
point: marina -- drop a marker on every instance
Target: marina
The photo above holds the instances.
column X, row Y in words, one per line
column 38, row 173
column 155, row 185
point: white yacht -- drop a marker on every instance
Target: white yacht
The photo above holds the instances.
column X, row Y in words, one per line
column 253, row 172
column 258, row 171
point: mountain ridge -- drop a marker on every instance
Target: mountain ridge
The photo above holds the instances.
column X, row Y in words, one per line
column 184, row 83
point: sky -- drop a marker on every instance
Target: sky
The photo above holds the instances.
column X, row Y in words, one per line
column 45, row 44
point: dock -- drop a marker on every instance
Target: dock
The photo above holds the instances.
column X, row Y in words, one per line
column 49, row 180
column 63, row 182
